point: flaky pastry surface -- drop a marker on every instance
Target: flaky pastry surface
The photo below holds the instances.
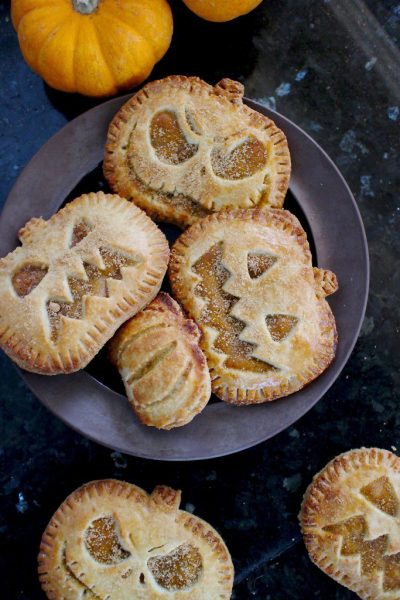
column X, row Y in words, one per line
column 110, row 540
column 161, row 364
column 181, row 149
column 350, row 519
column 246, row 278
column 76, row 278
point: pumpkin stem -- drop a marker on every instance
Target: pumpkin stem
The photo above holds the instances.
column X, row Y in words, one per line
column 85, row 7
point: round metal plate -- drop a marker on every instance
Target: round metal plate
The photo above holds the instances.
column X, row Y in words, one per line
column 326, row 208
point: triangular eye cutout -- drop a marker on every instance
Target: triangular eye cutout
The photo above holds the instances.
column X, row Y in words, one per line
column 258, row 263
column 280, row 326
column 80, row 231
column 380, row 492
column 27, row 278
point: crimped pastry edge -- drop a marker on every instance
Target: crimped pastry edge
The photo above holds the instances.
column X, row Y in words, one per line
column 124, row 185
column 164, row 497
column 72, row 360
column 342, row 464
column 170, row 310
column 287, row 221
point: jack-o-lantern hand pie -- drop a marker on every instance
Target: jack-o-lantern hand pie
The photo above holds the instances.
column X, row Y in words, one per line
column 182, row 149
column 246, row 278
column 110, row 540
column 76, row 278
column 350, row 519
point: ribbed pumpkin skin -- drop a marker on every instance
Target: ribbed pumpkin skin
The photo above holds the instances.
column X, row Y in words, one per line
column 221, row 10
column 96, row 54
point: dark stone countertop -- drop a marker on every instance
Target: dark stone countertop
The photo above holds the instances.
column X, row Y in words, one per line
column 332, row 67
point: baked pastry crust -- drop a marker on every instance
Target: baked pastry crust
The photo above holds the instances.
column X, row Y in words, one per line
column 76, row 278
column 350, row 522
column 181, row 149
column 245, row 277
column 111, row 540
column 164, row 371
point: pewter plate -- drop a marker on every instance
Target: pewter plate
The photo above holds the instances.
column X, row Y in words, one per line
column 92, row 401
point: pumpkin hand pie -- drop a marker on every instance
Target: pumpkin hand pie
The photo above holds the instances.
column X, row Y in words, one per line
column 351, row 525
column 76, row 278
column 182, row 149
column 246, row 278
column 163, row 369
column 110, row 540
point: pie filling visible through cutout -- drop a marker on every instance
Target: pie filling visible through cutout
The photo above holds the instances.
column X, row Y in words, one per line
column 111, row 540
column 94, row 285
column 181, row 149
column 179, row 569
column 217, row 313
column 350, row 522
column 75, row 279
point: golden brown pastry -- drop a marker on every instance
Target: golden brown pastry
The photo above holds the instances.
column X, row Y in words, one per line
column 246, row 278
column 110, row 540
column 76, row 278
column 350, row 522
column 163, row 369
column 181, row 149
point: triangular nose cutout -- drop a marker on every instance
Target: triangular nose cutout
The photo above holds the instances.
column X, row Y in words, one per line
column 258, row 263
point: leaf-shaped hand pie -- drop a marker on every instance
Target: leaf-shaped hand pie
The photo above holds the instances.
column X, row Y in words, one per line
column 181, row 149
column 75, row 279
column 350, row 522
column 110, row 540
column 246, row 278
column 163, row 369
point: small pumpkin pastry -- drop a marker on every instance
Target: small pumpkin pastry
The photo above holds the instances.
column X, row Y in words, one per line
column 163, row 369
column 350, row 522
column 76, row 278
column 182, row 149
column 110, row 539
column 246, row 278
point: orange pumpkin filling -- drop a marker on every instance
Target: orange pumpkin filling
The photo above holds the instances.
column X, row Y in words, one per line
column 27, row 278
column 244, row 160
column 280, row 326
column 168, row 140
column 216, row 313
column 94, row 285
column 354, row 532
column 102, row 542
column 177, row 570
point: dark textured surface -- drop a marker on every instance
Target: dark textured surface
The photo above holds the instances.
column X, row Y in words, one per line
column 333, row 68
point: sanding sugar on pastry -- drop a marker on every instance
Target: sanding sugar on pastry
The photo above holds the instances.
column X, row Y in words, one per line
column 182, row 149
column 246, row 277
column 111, row 540
column 350, row 522
column 75, row 279
column 164, row 371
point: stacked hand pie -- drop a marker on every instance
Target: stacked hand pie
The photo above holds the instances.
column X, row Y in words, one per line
column 249, row 318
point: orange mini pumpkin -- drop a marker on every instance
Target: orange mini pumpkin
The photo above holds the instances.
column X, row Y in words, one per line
column 221, row 10
column 94, row 47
